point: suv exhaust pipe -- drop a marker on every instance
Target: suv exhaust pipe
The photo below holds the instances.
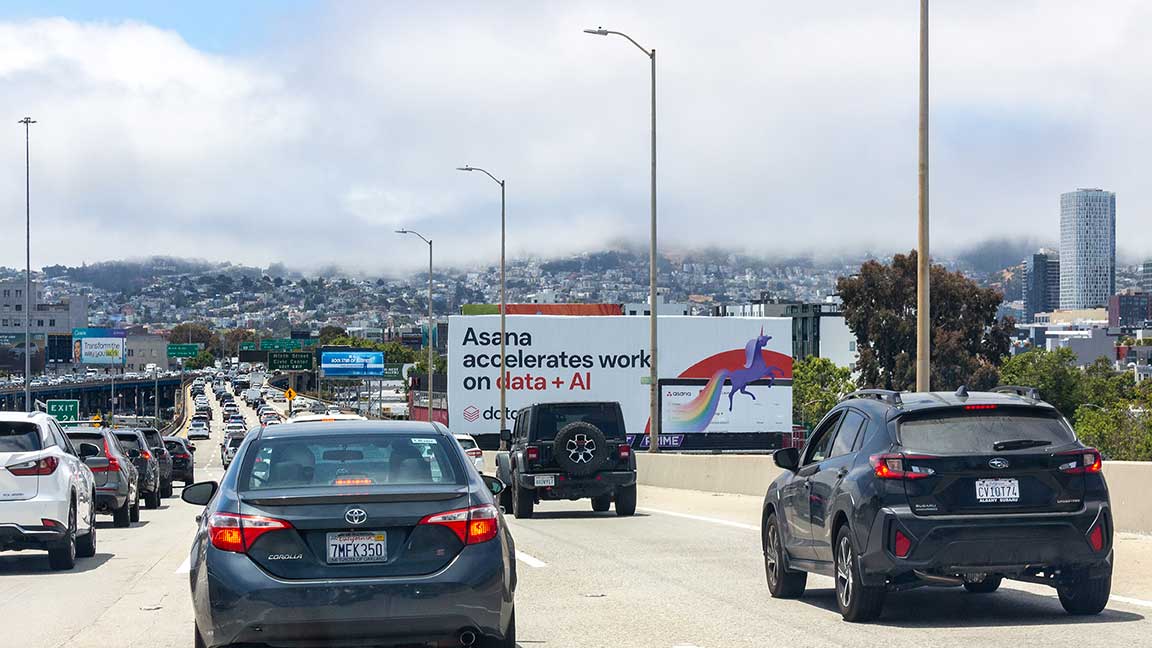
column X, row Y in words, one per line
column 936, row 579
column 467, row 638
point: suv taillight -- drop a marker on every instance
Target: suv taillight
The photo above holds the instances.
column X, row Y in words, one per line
column 232, row 532
column 899, row 466
column 1079, row 462
column 472, row 525
column 625, row 451
column 532, row 453
column 45, row 466
column 475, row 453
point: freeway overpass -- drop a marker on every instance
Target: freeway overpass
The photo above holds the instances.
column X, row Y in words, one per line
column 95, row 396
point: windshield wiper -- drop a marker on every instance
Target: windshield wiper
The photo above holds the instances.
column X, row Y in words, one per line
column 1019, row 444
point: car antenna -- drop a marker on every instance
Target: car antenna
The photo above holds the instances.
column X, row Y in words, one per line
column 962, row 392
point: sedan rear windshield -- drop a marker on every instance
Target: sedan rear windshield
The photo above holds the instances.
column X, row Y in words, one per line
column 982, row 431
column 351, row 460
column 548, row 420
column 19, row 437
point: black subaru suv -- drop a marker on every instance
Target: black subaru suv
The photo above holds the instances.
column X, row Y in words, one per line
column 568, row 451
column 895, row 491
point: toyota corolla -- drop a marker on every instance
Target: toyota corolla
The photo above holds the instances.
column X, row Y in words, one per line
column 352, row 533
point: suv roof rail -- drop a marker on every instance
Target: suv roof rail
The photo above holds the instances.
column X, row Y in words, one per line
column 1027, row 392
column 886, row 395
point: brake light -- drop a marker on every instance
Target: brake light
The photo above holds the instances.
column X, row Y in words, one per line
column 232, row 532
column 625, row 451
column 901, row 545
column 113, row 462
column 895, row 466
column 471, row 525
column 45, row 466
column 144, row 454
column 353, row 481
column 1096, row 537
column 1085, row 461
column 979, row 407
column 475, row 453
column 532, row 453
column 182, row 455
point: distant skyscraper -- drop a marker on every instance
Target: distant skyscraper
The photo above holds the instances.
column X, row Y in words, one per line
column 1146, row 276
column 1087, row 248
column 1041, row 284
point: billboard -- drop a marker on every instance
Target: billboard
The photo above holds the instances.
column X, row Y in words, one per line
column 352, row 364
column 558, row 358
column 98, row 346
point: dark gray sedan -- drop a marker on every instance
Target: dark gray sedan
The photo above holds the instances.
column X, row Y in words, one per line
column 352, row 533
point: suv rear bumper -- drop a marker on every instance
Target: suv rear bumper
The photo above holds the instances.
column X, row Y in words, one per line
column 573, row 487
column 1011, row 545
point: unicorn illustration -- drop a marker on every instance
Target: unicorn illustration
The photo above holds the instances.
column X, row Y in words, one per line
column 695, row 415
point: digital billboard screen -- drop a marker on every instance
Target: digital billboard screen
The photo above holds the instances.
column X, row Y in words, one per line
column 352, row 364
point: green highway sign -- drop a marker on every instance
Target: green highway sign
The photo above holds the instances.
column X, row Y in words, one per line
column 289, row 361
column 183, row 350
column 64, row 410
column 247, row 346
column 280, row 344
column 393, row 372
column 310, row 342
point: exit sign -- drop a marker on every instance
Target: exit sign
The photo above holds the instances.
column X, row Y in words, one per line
column 64, row 410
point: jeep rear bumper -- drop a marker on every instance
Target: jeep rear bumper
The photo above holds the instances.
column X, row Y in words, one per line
column 567, row 486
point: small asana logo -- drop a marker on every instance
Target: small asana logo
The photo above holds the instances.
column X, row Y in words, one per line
column 471, row 413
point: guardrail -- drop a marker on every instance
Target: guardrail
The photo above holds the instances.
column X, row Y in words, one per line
column 179, row 414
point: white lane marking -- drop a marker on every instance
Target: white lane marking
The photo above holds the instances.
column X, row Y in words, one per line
column 531, row 561
column 701, row 518
column 1131, row 601
column 185, row 566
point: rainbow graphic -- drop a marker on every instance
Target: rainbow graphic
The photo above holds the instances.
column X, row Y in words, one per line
column 696, row 414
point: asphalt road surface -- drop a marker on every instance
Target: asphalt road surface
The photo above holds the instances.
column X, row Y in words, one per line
column 686, row 571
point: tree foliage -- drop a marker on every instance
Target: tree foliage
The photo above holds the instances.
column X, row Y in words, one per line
column 968, row 341
column 1054, row 373
column 329, row 333
column 1121, row 431
column 817, row 385
column 201, row 360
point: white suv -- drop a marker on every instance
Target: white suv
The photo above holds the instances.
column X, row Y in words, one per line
column 47, row 493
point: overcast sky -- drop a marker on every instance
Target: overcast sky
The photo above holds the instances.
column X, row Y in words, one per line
column 306, row 132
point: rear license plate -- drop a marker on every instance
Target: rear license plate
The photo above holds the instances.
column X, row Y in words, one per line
column 357, row 547
column 545, row 480
column 997, row 490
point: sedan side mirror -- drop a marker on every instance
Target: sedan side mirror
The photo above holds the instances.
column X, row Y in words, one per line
column 494, row 485
column 89, row 450
column 199, row 493
column 787, row 458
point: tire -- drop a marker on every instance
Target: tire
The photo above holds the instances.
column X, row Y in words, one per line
column 62, row 554
column 122, row 517
column 191, row 479
column 601, row 503
column 783, row 583
column 86, row 544
column 134, row 512
column 857, row 603
column 166, row 489
column 152, row 499
column 1085, row 596
column 581, row 448
column 986, row 586
column 506, row 499
column 626, row 501
column 197, row 638
column 524, row 503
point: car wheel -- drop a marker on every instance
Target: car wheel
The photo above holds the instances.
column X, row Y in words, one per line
column 122, row 517
column 987, row 586
column 506, row 498
column 191, row 479
column 166, row 489
column 601, row 503
column 1084, row 596
column 626, row 501
column 782, row 582
column 134, row 514
column 856, row 601
column 62, row 554
column 524, row 503
column 86, row 544
column 152, row 499
column 198, row 639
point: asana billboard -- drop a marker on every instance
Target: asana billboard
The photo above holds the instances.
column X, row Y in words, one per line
column 722, row 380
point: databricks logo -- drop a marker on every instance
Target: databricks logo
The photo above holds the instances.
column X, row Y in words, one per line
column 471, row 413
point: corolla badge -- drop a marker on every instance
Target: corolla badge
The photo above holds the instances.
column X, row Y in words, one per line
column 285, row 556
column 999, row 463
column 356, row 516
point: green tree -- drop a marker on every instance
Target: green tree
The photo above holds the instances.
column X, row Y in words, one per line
column 1102, row 385
column 817, row 385
column 968, row 341
column 191, row 333
column 329, row 333
column 201, row 360
column 1054, row 373
column 1121, row 431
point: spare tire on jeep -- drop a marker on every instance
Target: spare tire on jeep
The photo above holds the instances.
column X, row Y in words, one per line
column 580, row 448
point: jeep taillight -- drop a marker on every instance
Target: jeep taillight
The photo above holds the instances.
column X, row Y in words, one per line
column 532, row 453
column 625, row 451
column 1079, row 462
column 900, row 466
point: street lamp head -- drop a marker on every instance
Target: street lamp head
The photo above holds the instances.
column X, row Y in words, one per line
column 465, row 168
column 401, row 231
column 599, row 31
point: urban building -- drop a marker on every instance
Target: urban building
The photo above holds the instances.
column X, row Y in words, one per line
column 1087, row 248
column 1041, row 284
column 1146, row 276
column 1087, row 344
column 1129, row 309
column 805, row 321
column 145, row 349
column 52, row 321
column 1077, row 317
column 663, row 306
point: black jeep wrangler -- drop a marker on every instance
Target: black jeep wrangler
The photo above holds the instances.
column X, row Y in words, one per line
column 568, row 451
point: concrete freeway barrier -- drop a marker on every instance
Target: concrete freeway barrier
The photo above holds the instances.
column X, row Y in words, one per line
column 751, row 475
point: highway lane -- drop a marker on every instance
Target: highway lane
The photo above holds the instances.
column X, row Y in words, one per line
column 686, row 571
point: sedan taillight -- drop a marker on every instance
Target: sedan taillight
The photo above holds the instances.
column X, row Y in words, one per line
column 472, row 525
column 232, row 532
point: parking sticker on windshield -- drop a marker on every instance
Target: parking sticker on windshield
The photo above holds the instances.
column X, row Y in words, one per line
column 423, row 440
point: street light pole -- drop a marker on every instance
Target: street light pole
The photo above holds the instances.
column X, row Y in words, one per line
column 27, row 121
column 654, row 387
column 503, row 307
column 431, row 321
column 923, row 267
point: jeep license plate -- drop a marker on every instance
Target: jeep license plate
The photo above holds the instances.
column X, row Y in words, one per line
column 997, row 490
column 545, row 480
